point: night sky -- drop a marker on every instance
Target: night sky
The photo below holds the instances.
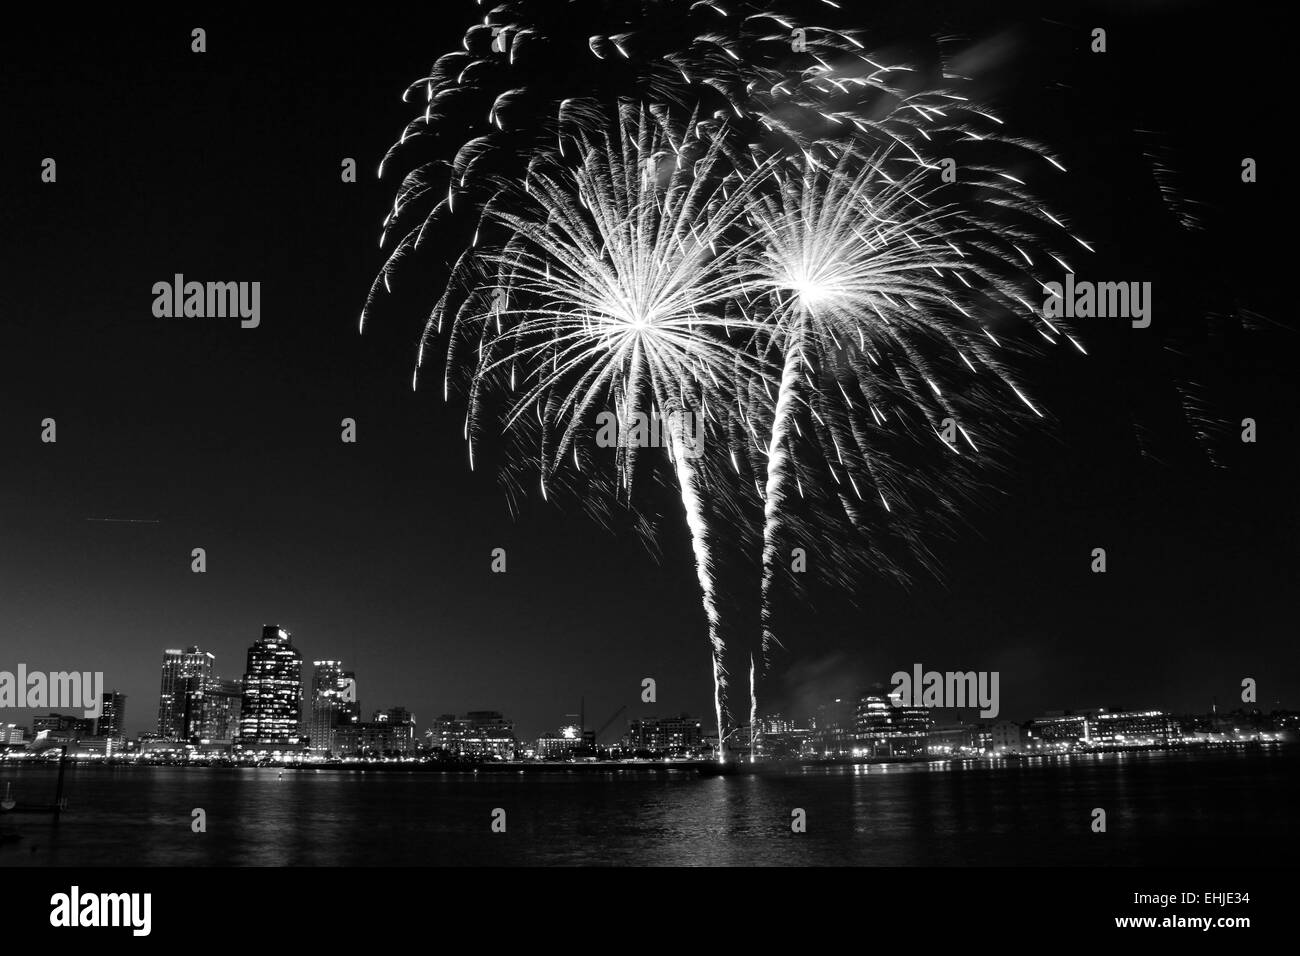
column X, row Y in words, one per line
column 224, row 166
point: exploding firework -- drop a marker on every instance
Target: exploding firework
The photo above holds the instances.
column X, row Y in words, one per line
column 534, row 73
column 824, row 324
column 609, row 293
column 894, row 296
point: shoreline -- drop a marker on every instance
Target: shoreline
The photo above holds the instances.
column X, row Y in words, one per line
column 696, row 766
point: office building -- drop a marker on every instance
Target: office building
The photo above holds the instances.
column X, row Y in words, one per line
column 1134, row 728
column 333, row 704
column 677, row 736
column 112, row 717
column 271, row 713
column 183, row 672
column 390, row 733
column 223, row 703
column 480, row 733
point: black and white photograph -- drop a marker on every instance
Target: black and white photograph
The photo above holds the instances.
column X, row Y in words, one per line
column 648, row 434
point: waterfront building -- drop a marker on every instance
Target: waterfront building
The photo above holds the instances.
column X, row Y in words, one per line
column 334, row 704
column 271, row 711
column 399, row 729
column 885, row 728
column 1134, row 728
column 951, row 739
column 11, row 735
column 1060, row 729
column 1002, row 737
column 480, row 733
column 183, row 674
column 489, row 733
column 676, row 736
column 223, row 703
column 562, row 744
column 446, row 734
column 112, row 717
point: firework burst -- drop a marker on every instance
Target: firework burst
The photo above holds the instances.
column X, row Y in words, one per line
column 610, row 294
column 893, row 300
column 719, row 213
column 533, row 74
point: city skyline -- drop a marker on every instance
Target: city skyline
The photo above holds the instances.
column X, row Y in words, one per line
column 864, row 727
column 201, row 667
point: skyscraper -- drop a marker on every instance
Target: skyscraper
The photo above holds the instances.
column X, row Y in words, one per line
column 222, row 705
column 182, row 672
column 271, row 717
column 333, row 704
column 400, row 723
column 113, row 716
column 195, row 704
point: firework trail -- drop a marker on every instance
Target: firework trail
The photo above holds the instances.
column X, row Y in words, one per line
column 883, row 286
column 607, row 291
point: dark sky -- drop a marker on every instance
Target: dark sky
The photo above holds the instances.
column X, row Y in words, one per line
column 225, row 166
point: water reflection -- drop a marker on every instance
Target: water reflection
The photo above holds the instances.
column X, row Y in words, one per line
column 1171, row 808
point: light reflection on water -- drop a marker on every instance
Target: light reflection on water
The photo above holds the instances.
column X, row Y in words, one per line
column 1174, row 808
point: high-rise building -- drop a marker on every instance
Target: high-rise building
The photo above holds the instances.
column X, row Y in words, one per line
column 395, row 715
column 400, row 723
column 194, row 703
column 112, row 717
column 223, row 702
column 271, row 713
column 333, row 704
column 182, row 672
